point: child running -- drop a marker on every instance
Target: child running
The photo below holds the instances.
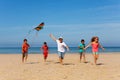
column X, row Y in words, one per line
column 61, row 47
column 25, row 47
column 44, row 48
column 81, row 50
column 95, row 46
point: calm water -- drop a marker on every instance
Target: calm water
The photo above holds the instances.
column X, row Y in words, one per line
column 9, row 50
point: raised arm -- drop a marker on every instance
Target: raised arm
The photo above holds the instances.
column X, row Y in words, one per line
column 53, row 37
column 101, row 47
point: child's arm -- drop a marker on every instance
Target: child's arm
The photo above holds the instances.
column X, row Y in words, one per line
column 53, row 37
column 67, row 48
column 87, row 46
column 41, row 48
column 101, row 47
column 64, row 45
column 22, row 48
column 28, row 45
column 78, row 47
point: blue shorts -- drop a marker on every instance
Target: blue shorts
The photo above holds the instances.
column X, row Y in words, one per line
column 81, row 50
column 61, row 54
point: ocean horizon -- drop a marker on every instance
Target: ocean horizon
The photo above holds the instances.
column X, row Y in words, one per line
column 52, row 50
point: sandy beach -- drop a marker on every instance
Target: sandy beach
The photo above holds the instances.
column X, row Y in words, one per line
column 12, row 68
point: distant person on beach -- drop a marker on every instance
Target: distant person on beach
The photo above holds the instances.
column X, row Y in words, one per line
column 44, row 48
column 95, row 46
column 25, row 47
column 61, row 47
column 82, row 51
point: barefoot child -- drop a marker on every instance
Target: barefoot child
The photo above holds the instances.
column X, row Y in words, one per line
column 81, row 50
column 25, row 47
column 61, row 47
column 44, row 48
column 95, row 46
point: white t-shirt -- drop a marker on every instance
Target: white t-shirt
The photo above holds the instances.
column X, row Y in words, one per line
column 61, row 46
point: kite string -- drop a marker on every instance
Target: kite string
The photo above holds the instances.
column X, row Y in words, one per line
column 29, row 32
column 33, row 41
column 36, row 33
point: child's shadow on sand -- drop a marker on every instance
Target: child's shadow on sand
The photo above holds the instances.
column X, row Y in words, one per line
column 86, row 62
column 33, row 63
column 49, row 61
column 57, row 62
column 65, row 63
column 100, row 64
column 68, row 64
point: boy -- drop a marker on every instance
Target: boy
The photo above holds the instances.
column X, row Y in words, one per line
column 25, row 47
column 61, row 47
column 44, row 48
column 81, row 50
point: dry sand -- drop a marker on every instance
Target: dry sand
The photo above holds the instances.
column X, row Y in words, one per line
column 12, row 68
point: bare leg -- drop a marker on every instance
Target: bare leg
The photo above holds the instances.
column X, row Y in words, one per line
column 80, row 57
column 26, row 56
column 61, row 60
column 45, row 58
column 23, row 56
column 22, row 59
column 84, row 57
column 95, row 60
column 97, row 57
column 94, row 55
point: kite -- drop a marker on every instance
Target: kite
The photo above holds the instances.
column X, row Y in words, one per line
column 38, row 28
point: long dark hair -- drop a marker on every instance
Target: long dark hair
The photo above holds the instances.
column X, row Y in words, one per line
column 93, row 38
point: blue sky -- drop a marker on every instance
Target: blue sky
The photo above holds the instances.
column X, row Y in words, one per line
column 72, row 19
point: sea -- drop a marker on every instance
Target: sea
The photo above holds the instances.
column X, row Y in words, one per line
column 53, row 50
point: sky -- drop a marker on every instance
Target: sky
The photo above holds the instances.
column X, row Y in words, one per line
column 72, row 19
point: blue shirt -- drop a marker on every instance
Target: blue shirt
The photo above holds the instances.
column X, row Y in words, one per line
column 82, row 46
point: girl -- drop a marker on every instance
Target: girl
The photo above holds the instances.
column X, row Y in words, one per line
column 95, row 46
